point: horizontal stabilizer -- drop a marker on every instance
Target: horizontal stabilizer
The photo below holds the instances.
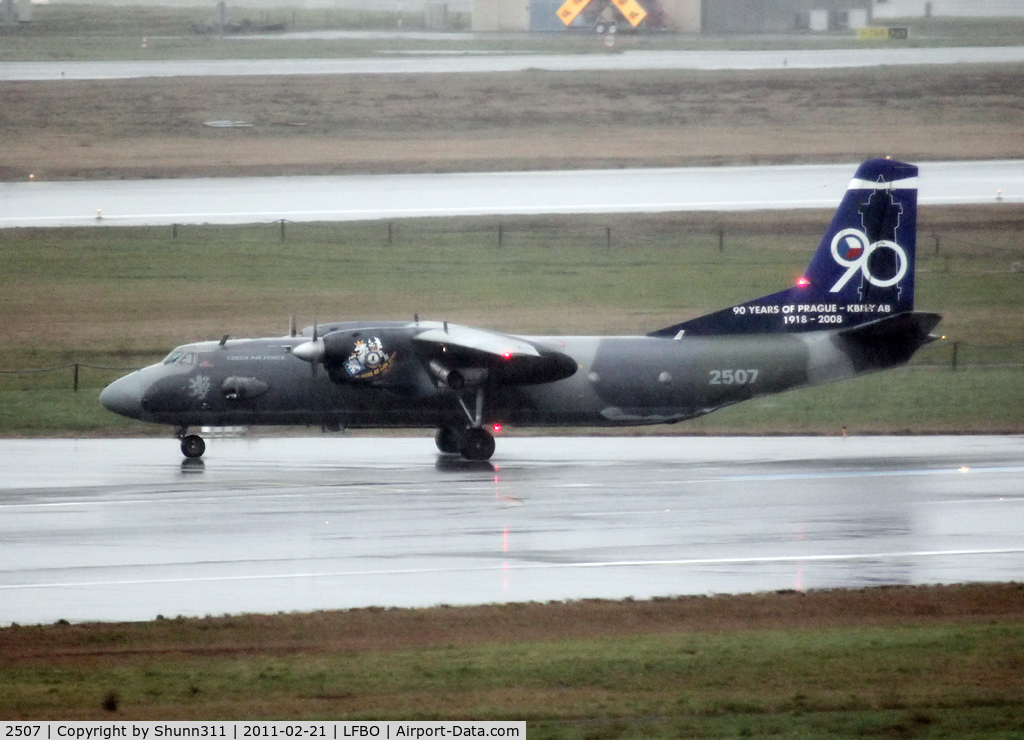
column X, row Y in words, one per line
column 888, row 342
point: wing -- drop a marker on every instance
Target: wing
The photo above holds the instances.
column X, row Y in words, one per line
column 461, row 355
column 403, row 357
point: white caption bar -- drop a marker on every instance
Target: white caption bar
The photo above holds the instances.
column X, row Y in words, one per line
column 382, row 730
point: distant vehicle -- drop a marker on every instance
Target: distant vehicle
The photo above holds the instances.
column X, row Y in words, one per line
column 852, row 312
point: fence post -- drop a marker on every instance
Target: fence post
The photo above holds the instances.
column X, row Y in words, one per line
column 956, row 351
column 75, row 383
column 390, row 235
column 608, row 236
column 501, row 233
column 721, row 240
column 282, row 229
column 937, row 239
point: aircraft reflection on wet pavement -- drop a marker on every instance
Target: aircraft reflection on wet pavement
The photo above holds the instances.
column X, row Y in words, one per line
column 851, row 312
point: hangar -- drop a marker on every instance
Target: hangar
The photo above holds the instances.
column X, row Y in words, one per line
column 683, row 16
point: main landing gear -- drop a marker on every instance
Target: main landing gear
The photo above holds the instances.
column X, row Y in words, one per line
column 192, row 445
column 473, row 442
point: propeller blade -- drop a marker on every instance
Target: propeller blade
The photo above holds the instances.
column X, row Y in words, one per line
column 318, row 346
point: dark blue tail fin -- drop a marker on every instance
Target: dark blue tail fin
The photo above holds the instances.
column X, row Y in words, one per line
column 863, row 269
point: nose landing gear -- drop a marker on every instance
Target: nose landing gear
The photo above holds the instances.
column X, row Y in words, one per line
column 192, row 445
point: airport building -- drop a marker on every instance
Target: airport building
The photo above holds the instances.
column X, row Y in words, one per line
column 733, row 16
column 684, row 16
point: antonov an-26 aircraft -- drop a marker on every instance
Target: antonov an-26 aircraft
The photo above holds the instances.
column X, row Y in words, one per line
column 850, row 313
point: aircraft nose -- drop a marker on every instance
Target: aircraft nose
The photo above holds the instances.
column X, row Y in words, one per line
column 124, row 396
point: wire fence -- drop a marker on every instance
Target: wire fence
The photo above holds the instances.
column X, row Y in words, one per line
column 1006, row 242
column 76, row 369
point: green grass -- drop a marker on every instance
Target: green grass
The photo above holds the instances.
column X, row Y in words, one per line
column 939, row 680
column 939, row 661
column 123, row 297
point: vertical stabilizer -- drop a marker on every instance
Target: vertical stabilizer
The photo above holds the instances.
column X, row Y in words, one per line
column 862, row 270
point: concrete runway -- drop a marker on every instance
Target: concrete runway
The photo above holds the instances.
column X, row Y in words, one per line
column 369, row 197
column 122, row 530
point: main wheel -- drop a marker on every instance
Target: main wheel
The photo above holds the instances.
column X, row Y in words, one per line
column 447, row 440
column 193, row 446
column 477, row 444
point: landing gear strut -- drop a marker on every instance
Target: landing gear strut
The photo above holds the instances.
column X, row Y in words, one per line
column 192, row 445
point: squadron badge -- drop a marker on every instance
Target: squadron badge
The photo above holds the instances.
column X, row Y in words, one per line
column 368, row 359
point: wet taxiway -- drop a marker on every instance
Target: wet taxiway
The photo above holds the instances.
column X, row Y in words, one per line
column 123, row 530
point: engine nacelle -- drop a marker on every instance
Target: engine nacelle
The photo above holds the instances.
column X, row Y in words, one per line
column 447, row 376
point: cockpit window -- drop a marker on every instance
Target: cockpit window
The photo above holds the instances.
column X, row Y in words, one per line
column 183, row 358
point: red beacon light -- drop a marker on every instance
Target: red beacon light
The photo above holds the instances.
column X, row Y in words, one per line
column 496, row 428
column 802, row 282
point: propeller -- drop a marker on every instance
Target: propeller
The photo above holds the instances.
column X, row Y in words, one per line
column 311, row 351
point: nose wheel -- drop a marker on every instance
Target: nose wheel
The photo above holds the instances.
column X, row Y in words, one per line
column 192, row 446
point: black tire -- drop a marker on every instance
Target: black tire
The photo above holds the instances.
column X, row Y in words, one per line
column 477, row 444
column 193, row 446
column 447, row 440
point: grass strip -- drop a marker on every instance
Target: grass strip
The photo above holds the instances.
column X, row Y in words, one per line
column 924, row 661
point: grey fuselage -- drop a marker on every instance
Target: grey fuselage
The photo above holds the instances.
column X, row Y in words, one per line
column 618, row 381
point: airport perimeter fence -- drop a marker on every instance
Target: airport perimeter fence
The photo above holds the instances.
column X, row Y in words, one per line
column 74, row 371
column 616, row 231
